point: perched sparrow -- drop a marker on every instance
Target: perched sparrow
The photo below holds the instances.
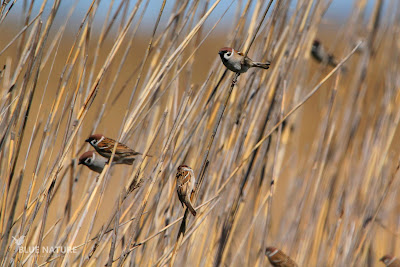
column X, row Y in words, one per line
column 233, row 60
column 185, row 185
column 321, row 55
column 104, row 146
column 94, row 163
column 390, row 261
column 279, row 259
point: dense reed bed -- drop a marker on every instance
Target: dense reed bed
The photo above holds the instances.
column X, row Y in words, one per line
column 303, row 156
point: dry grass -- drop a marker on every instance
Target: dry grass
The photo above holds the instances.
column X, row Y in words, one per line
column 302, row 156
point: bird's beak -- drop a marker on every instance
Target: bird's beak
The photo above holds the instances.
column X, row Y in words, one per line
column 87, row 140
column 220, row 52
column 80, row 162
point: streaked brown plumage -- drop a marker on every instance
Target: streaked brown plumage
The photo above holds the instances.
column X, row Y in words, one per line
column 279, row 259
column 104, row 146
column 390, row 261
column 185, row 182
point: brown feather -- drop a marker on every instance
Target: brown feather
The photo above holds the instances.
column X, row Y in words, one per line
column 184, row 186
column 279, row 259
column 390, row 261
column 123, row 154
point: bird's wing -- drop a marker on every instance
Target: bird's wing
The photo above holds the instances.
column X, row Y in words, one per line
column 123, row 149
column 106, row 144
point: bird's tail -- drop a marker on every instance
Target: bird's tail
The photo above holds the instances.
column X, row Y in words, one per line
column 190, row 207
column 262, row 65
column 128, row 161
column 332, row 62
column 138, row 153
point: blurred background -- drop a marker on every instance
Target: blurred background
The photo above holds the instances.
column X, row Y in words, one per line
column 305, row 157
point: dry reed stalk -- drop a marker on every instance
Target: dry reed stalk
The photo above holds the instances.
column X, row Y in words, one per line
column 159, row 76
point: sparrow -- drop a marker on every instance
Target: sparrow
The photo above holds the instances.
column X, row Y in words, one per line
column 185, row 182
column 321, row 55
column 279, row 259
column 233, row 61
column 104, row 146
column 390, row 261
column 90, row 160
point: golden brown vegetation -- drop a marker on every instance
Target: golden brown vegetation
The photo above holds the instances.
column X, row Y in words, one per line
column 302, row 156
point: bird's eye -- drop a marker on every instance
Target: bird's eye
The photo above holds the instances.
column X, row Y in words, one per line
column 93, row 142
column 227, row 55
column 88, row 161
